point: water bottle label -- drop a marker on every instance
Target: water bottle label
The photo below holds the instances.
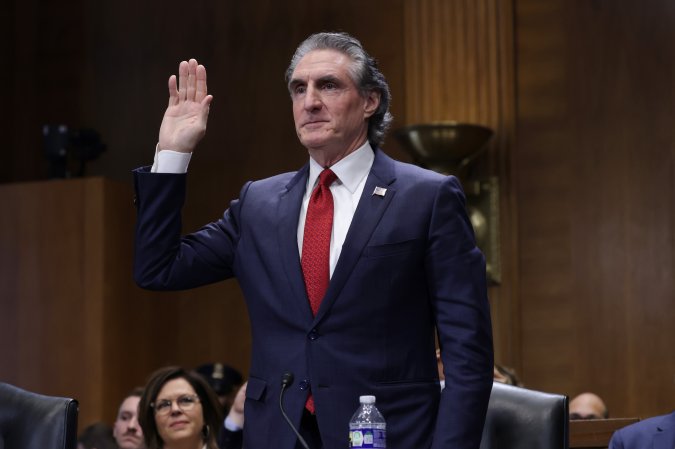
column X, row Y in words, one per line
column 367, row 437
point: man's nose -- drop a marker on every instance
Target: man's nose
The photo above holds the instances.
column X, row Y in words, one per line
column 312, row 99
column 133, row 424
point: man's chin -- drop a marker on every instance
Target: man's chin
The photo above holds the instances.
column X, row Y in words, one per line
column 314, row 139
column 313, row 148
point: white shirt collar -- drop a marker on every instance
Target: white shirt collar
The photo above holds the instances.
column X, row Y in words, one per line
column 350, row 170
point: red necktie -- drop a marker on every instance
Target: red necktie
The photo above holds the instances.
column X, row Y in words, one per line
column 316, row 246
column 316, row 240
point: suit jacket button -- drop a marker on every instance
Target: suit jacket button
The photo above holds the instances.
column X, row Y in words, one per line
column 304, row 384
column 313, row 335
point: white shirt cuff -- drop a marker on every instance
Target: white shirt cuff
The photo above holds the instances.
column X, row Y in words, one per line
column 167, row 161
column 231, row 425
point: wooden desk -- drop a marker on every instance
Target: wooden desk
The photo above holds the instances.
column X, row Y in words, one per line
column 595, row 433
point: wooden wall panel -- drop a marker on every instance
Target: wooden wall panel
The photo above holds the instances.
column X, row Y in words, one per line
column 42, row 57
column 459, row 67
column 596, row 199
column 73, row 323
column 452, row 61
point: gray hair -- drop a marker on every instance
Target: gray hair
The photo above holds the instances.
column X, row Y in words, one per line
column 363, row 72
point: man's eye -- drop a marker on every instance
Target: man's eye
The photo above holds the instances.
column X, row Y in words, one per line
column 330, row 86
column 299, row 90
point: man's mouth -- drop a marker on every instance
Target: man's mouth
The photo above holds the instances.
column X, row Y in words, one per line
column 314, row 123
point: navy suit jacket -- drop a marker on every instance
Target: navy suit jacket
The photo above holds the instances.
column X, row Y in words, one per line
column 653, row 433
column 409, row 266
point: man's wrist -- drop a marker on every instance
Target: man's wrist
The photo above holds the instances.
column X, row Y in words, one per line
column 168, row 161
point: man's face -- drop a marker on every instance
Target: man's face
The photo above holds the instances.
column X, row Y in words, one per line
column 126, row 431
column 329, row 112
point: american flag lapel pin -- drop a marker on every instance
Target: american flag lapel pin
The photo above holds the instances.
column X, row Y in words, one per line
column 379, row 191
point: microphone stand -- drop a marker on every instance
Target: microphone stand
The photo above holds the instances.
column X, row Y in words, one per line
column 286, row 380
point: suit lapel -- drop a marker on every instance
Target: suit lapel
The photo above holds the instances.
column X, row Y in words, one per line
column 366, row 217
column 288, row 212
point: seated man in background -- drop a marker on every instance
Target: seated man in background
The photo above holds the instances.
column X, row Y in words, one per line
column 653, row 433
column 126, row 430
column 506, row 376
column 588, row 406
column 224, row 380
column 96, row 436
column 232, row 433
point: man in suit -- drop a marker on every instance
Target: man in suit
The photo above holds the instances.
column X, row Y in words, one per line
column 349, row 266
column 653, row 433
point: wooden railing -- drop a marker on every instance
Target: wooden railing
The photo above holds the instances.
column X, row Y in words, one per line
column 595, row 433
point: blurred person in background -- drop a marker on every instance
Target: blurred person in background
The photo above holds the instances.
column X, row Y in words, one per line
column 232, row 433
column 96, row 436
column 225, row 381
column 588, row 406
column 506, row 375
column 179, row 410
column 126, row 430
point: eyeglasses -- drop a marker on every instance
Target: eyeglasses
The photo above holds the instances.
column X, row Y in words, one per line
column 185, row 402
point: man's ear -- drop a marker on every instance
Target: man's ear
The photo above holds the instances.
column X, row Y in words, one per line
column 372, row 103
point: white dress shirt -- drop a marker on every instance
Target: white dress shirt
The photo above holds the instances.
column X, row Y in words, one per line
column 352, row 172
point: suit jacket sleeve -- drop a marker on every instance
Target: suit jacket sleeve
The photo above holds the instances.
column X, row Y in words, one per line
column 616, row 442
column 163, row 260
column 457, row 279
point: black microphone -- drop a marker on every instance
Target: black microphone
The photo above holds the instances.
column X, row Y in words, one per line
column 286, row 381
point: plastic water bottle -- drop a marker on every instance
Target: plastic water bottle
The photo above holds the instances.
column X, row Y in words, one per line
column 367, row 427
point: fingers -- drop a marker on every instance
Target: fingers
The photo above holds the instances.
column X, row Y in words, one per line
column 201, row 83
column 192, row 80
column 182, row 80
column 191, row 83
column 173, row 91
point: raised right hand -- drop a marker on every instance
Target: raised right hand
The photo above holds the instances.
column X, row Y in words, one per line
column 184, row 122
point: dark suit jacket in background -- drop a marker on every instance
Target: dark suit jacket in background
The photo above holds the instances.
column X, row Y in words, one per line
column 409, row 263
column 230, row 439
column 653, row 433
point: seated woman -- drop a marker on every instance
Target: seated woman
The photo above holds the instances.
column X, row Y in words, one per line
column 179, row 410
